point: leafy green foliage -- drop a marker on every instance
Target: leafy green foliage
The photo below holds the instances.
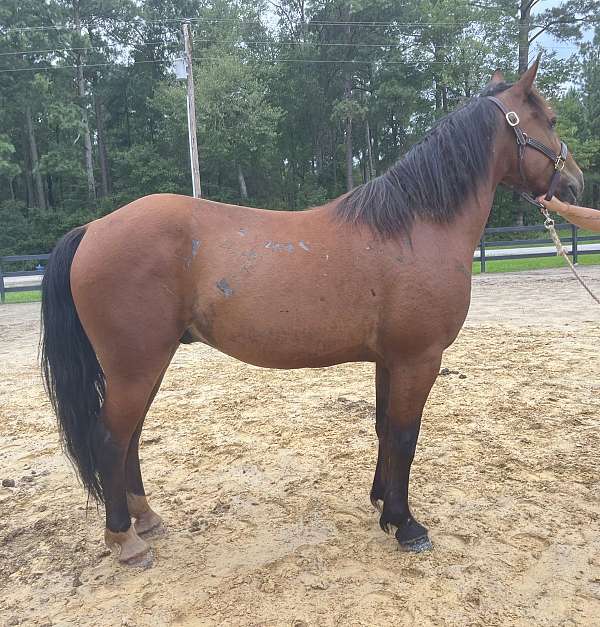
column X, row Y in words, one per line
column 8, row 168
column 275, row 86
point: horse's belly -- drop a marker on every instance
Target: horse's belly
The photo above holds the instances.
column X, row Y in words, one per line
column 280, row 357
column 277, row 325
column 284, row 339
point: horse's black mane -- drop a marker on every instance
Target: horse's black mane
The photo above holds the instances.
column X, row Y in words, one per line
column 436, row 175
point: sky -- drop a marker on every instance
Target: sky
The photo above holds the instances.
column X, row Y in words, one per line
column 563, row 49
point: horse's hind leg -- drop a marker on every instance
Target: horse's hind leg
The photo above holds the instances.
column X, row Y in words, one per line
column 382, row 389
column 410, row 384
column 124, row 405
column 146, row 518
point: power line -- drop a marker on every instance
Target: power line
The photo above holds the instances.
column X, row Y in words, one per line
column 74, row 49
column 216, row 21
column 220, row 58
column 74, row 67
column 236, row 43
column 212, row 41
column 198, row 20
column 274, row 61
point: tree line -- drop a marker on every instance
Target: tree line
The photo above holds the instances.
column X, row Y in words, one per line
column 297, row 101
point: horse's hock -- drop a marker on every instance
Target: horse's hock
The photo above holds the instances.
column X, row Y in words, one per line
column 262, row 477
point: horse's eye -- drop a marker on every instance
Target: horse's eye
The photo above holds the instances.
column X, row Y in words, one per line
column 553, row 122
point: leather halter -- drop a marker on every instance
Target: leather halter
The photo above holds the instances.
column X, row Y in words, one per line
column 523, row 140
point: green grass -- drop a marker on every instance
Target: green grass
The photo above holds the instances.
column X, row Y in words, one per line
column 519, row 265
column 23, row 297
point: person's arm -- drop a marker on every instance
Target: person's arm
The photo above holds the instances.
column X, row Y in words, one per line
column 583, row 217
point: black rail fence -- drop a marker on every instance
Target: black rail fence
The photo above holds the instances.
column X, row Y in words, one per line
column 489, row 250
column 7, row 262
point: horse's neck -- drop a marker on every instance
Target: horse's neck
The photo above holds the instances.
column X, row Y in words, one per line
column 471, row 220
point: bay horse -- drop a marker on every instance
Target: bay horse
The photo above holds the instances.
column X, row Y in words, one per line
column 381, row 275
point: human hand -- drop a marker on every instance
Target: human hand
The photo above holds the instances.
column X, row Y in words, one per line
column 556, row 205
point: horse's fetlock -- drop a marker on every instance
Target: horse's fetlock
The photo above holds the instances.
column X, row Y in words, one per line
column 393, row 514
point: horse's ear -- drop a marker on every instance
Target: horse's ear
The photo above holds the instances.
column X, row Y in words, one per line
column 525, row 83
column 497, row 77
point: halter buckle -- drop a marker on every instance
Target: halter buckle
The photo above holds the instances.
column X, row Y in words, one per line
column 512, row 118
column 559, row 164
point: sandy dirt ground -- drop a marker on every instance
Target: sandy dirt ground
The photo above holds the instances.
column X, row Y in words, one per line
column 263, row 478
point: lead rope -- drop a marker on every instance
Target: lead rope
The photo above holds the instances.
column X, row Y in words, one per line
column 549, row 224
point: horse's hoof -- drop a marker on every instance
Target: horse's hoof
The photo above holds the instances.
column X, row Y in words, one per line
column 130, row 547
column 412, row 537
column 148, row 522
column 145, row 560
column 416, row 546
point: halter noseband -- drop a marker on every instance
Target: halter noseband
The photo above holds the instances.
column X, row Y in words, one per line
column 523, row 141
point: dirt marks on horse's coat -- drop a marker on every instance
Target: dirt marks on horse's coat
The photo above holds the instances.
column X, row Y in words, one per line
column 263, row 480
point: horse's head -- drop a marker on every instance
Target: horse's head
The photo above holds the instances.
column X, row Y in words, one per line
column 536, row 157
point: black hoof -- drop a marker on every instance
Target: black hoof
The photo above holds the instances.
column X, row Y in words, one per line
column 413, row 537
column 416, row 546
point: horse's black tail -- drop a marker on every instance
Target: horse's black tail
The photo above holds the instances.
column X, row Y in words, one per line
column 72, row 375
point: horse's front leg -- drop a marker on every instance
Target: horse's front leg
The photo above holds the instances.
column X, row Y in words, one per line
column 382, row 389
column 409, row 385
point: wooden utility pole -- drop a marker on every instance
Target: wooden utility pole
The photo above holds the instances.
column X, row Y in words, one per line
column 191, row 112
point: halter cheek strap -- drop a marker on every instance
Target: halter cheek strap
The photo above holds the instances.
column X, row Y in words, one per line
column 523, row 141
